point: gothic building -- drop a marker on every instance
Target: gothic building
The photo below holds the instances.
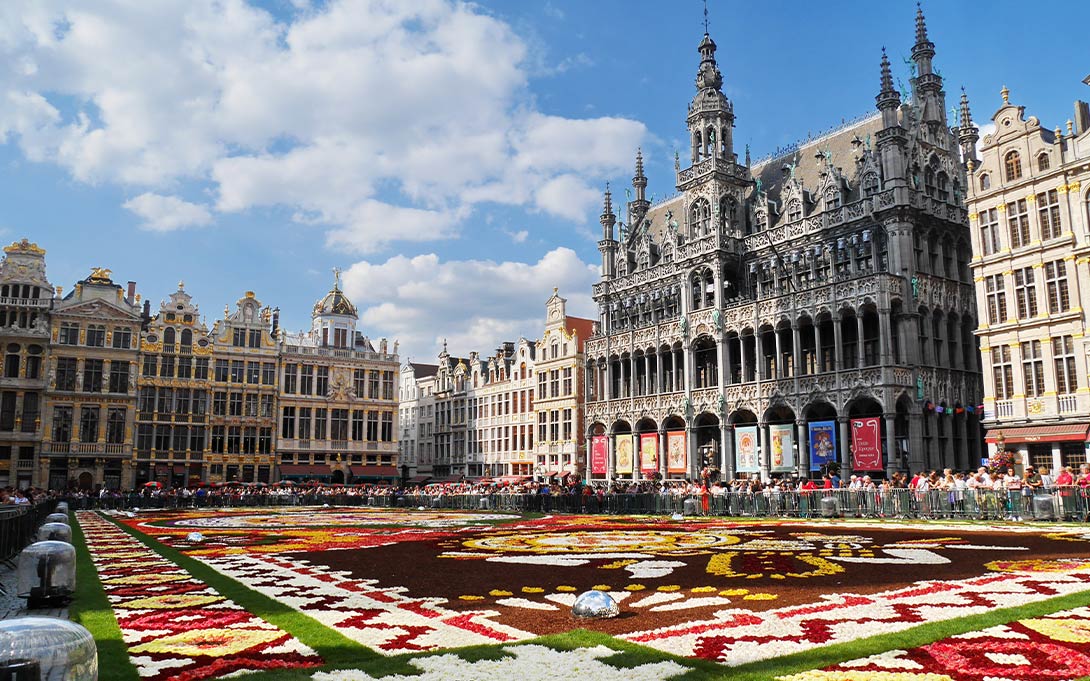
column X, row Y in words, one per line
column 773, row 317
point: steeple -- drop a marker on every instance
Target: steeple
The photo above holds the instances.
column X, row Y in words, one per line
column 888, row 99
column 891, row 138
column 711, row 115
column 608, row 245
column 928, row 83
column 638, row 208
column 968, row 134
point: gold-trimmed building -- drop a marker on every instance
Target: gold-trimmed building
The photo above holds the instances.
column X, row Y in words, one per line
column 25, row 300
column 338, row 400
column 87, row 430
column 1029, row 207
column 242, row 420
column 173, row 395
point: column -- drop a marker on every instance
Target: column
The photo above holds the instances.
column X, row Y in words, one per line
column 796, row 349
column 757, row 359
column 724, row 458
column 611, row 465
column 729, row 362
column 742, row 362
column 838, row 344
column 728, row 451
column 1057, row 459
column 845, row 446
column 690, row 445
column 765, row 452
column 915, row 442
column 817, row 347
column 885, row 338
column 660, row 372
column 662, row 452
column 779, row 372
column 720, row 371
column 891, row 444
column 685, row 353
column 859, row 339
column 802, row 438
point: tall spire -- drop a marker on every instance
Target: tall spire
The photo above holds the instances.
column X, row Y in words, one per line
column 607, row 205
column 608, row 245
column 921, row 26
column 968, row 134
column 887, row 76
column 639, row 180
column 888, row 98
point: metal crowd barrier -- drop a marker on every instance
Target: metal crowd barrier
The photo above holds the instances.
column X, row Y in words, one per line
column 1053, row 503
column 19, row 526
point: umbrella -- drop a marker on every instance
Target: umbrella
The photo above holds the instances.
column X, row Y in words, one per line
column 286, row 483
column 153, row 483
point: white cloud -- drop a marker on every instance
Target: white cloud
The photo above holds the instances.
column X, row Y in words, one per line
column 344, row 112
column 475, row 304
column 167, row 213
column 518, row 237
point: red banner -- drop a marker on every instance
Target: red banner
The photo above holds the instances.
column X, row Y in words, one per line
column 867, row 444
column 649, row 452
column 599, row 453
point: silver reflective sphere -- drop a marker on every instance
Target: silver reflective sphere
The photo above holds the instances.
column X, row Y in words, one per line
column 194, row 537
column 595, row 605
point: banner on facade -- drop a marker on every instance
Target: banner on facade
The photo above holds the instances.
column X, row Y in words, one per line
column 782, row 441
column 822, row 444
column 649, row 453
column 677, row 452
column 622, row 446
column 867, row 444
column 599, row 454
column 745, row 449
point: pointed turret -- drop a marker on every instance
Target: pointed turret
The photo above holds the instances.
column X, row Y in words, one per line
column 608, row 245
column 891, row 138
column 928, row 83
column 638, row 208
column 968, row 134
column 711, row 115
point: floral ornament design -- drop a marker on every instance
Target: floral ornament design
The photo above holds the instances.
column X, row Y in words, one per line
column 175, row 626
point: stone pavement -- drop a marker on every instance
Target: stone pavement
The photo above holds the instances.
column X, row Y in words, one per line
column 13, row 606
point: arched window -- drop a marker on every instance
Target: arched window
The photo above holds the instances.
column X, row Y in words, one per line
column 187, row 338
column 985, row 181
column 1012, row 163
column 760, row 220
column 700, row 218
column 929, row 181
column 728, row 218
column 1042, row 161
column 168, row 339
column 794, row 210
column 832, row 198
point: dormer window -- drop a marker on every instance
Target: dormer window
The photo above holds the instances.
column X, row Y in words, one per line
column 870, row 184
column 832, row 198
column 985, row 182
column 794, row 210
column 1042, row 161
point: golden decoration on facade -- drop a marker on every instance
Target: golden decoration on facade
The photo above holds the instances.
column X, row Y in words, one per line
column 100, row 275
column 25, row 246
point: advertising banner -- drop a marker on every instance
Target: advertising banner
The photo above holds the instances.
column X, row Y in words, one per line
column 822, row 444
column 677, row 453
column 745, row 449
column 649, row 453
column 599, row 455
column 782, row 441
column 623, row 448
column 867, row 444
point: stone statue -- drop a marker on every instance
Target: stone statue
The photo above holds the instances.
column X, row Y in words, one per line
column 684, row 324
column 717, row 319
column 396, row 343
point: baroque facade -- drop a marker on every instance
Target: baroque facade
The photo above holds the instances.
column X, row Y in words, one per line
column 25, row 301
column 337, row 400
column 502, row 410
column 821, row 296
column 87, row 431
column 1029, row 206
column 173, row 394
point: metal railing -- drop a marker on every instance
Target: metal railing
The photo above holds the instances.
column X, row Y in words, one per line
column 19, row 525
column 1055, row 503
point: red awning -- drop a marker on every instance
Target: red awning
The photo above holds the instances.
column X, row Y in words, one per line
column 374, row 471
column 305, row 470
column 1056, row 432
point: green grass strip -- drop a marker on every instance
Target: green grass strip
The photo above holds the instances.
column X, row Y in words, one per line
column 336, row 649
column 92, row 609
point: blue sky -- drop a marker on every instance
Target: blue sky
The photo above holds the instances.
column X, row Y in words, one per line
column 448, row 157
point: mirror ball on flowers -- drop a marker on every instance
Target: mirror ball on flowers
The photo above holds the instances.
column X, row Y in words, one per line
column 595, row 605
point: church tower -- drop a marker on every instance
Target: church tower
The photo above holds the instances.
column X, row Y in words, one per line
column 711, row 115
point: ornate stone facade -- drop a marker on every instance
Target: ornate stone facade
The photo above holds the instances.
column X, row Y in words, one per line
column 1029, row 209
column 501, row 427
column 87, row 430
column 416, row 416
column 337, row 400
column 823, row 285
column 173, row 395
column 25, row 301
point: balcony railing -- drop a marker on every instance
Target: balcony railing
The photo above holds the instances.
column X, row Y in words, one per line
column 1004, row 409
column 1068, row 404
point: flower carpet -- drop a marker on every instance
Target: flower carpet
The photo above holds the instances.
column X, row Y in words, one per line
column 411, row 585
column 176, row 627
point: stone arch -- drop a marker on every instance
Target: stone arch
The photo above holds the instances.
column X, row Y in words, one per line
column 707, row 436
column 705, row 362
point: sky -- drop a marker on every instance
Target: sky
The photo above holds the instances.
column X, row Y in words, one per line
column 448, row 157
